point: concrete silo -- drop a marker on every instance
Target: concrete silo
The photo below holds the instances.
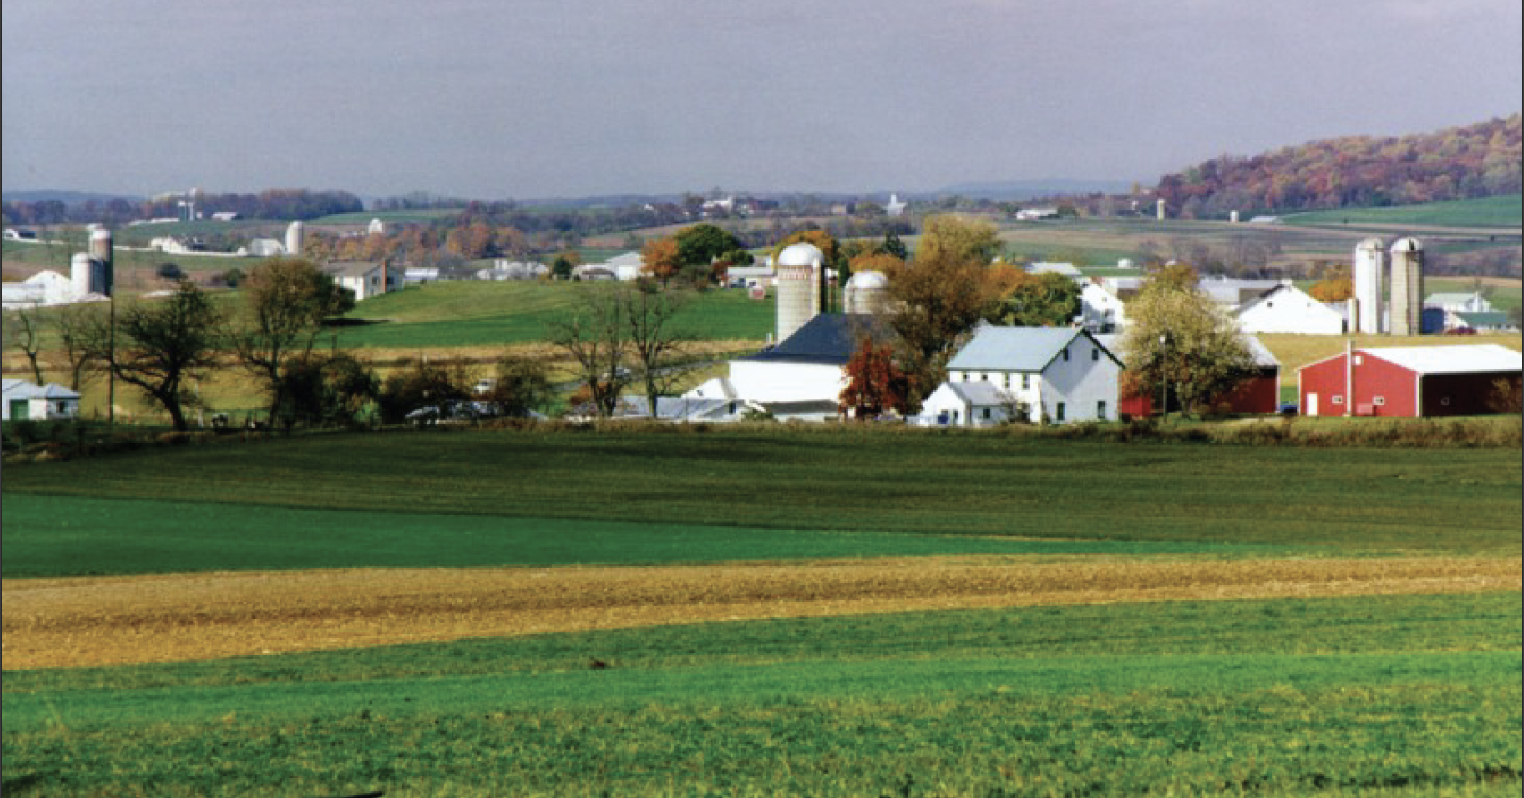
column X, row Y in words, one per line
column 103, row 275
column 1407, row 287
column 294, row 239
column 865, row 292
column 1370, row 285
column 799, row 268
column 1160, row 209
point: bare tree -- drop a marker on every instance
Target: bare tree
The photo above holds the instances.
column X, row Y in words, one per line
column 23, row 330
column 160, row 346
column 73, row 355
column 284, row 303
column 596, row 335
column 649, row 314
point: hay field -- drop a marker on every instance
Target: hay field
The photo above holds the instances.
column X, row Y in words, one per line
column 86, row 621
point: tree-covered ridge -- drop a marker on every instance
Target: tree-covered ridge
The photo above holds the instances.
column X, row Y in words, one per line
column 1479, row 160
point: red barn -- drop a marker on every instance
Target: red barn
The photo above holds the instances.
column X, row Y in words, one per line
column 1407, row 381
column 1259, row 392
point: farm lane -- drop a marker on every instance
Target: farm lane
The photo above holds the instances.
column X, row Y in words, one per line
column 89, row 621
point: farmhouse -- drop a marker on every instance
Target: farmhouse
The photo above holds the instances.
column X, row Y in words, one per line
column 1288, row 309
column 1478, row 321
column 1062, row 374
column 1458, row 302
column 967, row 404
column 25, row 401
column 365, row 279
column 1408, row 381
column 1100, row 310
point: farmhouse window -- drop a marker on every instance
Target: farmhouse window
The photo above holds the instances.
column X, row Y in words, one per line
column 1100, row 410
column 986, row 413
column 1338, row 399
column 1026, row 381
column 1066, row 354
column 1007, row 376
column 984, row 377
column 1058, row 412
column 1095, row 354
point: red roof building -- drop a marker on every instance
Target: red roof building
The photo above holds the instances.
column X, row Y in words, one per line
column 1407, row 381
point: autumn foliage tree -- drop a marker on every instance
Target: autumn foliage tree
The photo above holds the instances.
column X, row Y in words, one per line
column 1179, row 339
column 874, row 383
column 661, row 258
column 1335, row 287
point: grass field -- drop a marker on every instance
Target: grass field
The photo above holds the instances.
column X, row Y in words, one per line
column 1501, row 211
column 363, row 217
column 1289, row 697
column 496, row 313
column 846, row 480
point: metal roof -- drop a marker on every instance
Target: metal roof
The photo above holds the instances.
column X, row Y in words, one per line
column 979, row 393
column 1490, row 318
column 1016, row 348
column 1466, row 359
column 827, row 338
column 21, row 389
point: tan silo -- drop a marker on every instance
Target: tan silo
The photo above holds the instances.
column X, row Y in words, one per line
column 103, row 275
column 1407, row 286
column 865, row 292
column 799, row 267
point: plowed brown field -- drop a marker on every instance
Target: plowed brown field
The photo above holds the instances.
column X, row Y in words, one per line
column 119, row 620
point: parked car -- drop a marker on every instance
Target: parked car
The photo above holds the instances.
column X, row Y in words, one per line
column 1288, row 409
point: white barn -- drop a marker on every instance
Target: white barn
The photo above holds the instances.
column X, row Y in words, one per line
column 1101, row 310
column 1288, row 309
column 1061, row 373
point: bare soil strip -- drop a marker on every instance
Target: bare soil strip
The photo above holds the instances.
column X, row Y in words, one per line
column 120, row 620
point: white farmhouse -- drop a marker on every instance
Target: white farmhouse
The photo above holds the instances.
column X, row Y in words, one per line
column 1288, row 309
column 1459, row 303
column 366, row 279
column 967, row 404
column 25, row 401
column 627, row 266
column 1062, row 374
column 1101, row 310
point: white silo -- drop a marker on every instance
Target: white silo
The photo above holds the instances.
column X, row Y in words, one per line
column 799, row 267
column 1370, row 285
column 1160, row 209
column 865, row 292
column 1233, row 217
column 1407, row 287
column 102, row 250
column 294, row 239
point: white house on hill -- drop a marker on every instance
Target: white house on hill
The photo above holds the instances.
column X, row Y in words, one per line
column 1061, row 373
column 366, row 279
column 1288, row 309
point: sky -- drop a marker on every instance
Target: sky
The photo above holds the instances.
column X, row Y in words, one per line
column 498, row 99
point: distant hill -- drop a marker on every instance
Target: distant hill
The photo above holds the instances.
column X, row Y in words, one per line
column 1016, row 190
column 1480, row 160
column 66, row 197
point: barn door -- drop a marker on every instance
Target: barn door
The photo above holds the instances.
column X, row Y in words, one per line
column 1312, row 404
column 19, row 409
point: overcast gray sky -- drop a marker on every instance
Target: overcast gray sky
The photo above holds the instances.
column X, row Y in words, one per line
column 508, row 98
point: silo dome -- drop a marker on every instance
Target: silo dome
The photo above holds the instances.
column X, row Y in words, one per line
column 1369, row 243
column 1407, row 245
column 865, row 291
column 801, row 254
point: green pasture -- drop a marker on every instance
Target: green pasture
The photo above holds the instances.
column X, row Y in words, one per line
column 472, row 313
column 56, row 536
column 1501, row 211
column 58, row 258
column 878, row 481
column 1375, row 696
column 423, row 215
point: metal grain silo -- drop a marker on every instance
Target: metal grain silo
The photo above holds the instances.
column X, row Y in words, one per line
column 1370, row 285
column 294, row 239
column 1407, row 287
column 799, row 267
column 102, row 276
column 865, row 292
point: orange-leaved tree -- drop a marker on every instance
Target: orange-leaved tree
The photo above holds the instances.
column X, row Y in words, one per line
column 874, row 383
column 661, row 258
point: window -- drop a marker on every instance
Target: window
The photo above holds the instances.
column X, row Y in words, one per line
column 984, row 377
column 965, row 376
column 1058, row 412
column 1444, row 401
column 1095, row 354
column 986, row 413
column 1066, row 354
column 1007, row 377
column 1359, row 360
column 1100, row 410
column 1379, row 401
column 1338, row 399
column 1026, row 381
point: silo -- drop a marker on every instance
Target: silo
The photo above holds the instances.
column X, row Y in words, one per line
column 294, row 239
column 1160, row 208
column 1233, row 217
column 799, row 267
column 1369, row 285
column 79, row 273
column 865, row 292
column 103, row 275
column 1407, row 287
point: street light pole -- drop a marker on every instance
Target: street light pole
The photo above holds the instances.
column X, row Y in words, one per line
column 1164, row 377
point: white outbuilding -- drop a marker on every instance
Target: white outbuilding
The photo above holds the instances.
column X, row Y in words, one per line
column 26, row 401
column 1101, row 310
column 1288, row 309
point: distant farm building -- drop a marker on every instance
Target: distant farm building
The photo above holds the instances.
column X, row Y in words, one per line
column 1060, row 374
column 1288, row 309
column 1408, row 381
column 1258, row 392
column 365, row 279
